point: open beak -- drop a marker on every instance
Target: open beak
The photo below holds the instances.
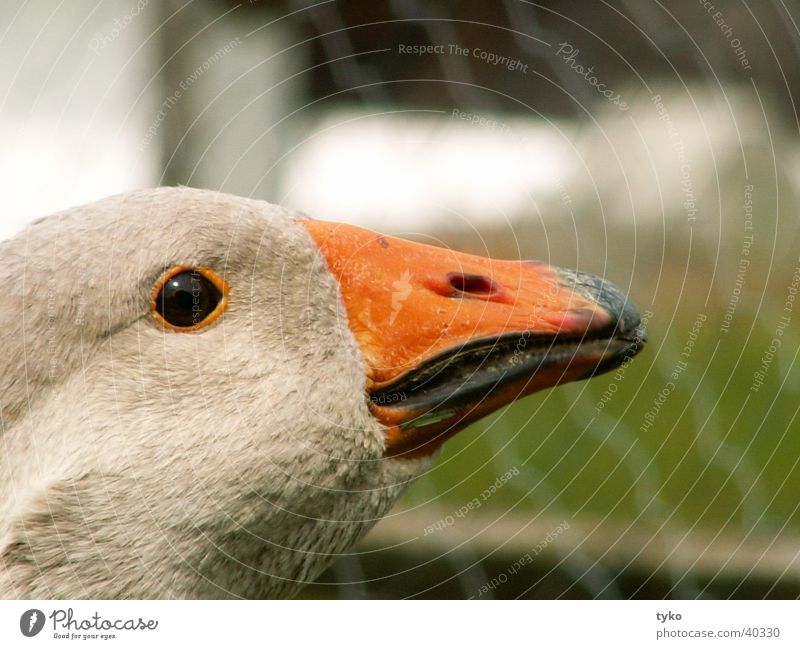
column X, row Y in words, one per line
column 450, row 337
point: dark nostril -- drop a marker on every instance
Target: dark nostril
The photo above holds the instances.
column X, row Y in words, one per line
column 473, row 284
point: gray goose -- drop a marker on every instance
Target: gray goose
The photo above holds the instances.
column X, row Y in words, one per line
column 211, row 396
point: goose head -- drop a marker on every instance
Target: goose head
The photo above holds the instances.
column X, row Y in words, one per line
column 210, row 396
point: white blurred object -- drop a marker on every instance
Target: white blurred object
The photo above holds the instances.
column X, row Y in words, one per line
column 74, row 103
column 410, row 171
column 417, row 171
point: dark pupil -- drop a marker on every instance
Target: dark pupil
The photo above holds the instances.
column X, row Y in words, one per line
column 187, row 299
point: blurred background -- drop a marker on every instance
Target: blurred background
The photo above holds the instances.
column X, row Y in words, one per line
column 652, row 143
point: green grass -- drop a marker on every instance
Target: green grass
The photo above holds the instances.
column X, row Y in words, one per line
column 717, row 455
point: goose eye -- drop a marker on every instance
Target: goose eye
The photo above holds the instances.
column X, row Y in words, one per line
column 187, row 299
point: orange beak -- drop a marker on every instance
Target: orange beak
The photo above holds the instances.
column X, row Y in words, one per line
column 449, row 337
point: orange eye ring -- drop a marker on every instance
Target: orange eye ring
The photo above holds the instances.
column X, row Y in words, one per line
column 218, row 283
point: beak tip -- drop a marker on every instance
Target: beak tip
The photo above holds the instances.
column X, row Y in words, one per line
column 623, row 315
